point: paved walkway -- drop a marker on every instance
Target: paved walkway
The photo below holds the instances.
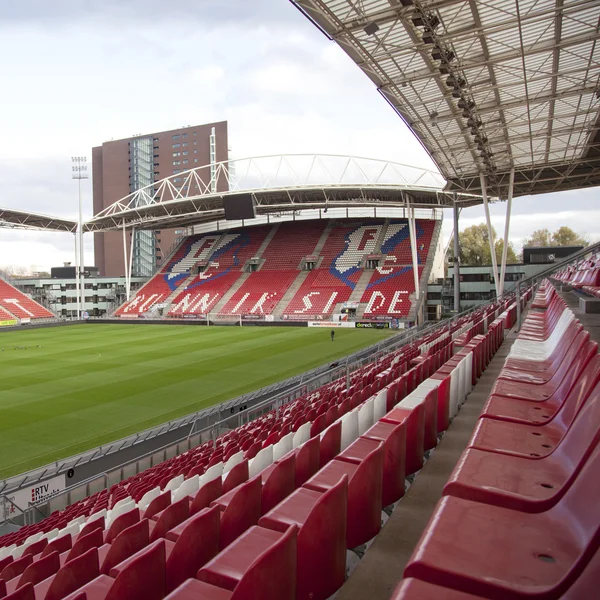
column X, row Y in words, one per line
column 381, row 568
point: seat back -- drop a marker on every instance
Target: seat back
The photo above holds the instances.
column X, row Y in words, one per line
column 41, row 569
column 91, row 526
column 237, row 475
column 94, row 539
column 16, row 567
column 144, row 578
column 157, row 505
column 197, row 544
column 330, row 443
column 206, row 494
column 242, row 512
column 73, row 575
column 307, row 460
column 61, row 544
column 272, row 576
column 280, row 483
column 25, row 592
column 171, row 517
column 122, row 522
column 128, row 542
column 36, row 547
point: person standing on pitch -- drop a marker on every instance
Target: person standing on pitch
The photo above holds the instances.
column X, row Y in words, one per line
column 332, row 334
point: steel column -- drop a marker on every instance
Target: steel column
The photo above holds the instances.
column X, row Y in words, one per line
column 128, row 277
column 456, row 259
column 490, row 232
column 413, row 246
column 77, row 276
column 518, row 306
column 506, row 230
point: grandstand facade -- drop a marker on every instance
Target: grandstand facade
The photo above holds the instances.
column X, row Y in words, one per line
column 294, row 271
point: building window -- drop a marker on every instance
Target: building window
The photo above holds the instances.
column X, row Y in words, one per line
column 176, row 170
column 195, row 143
column 185, row 162
column 176, row 137
column 195, row 160
column 195, row 151
column 194, row 133
column 184, row 135
column 176, row 145
column 176, row 153
column 176, row 162
column 155, row 139
column 185, row 153
column 177, row 179
column 184, row 144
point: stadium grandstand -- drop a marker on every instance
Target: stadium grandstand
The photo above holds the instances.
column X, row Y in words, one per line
column 455, row 460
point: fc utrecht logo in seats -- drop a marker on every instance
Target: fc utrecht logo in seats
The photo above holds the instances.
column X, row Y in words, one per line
column 359, row 242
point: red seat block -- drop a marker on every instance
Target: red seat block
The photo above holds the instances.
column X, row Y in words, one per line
column 364, row 490
column 393, row 437
column 321, row 518
column 414, row 421
column 261, row 563
column 278, row 483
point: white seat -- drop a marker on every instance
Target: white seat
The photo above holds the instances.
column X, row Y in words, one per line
column 174, row 483
column 380, row 404
column 236, row 459
column 365, row 416
column 145, row 500
column 189, row 486
column 71, row 529
column 51, row 534
column 32, row 539
column 261, row 461
column 538, row 351
column 4, row 552
column 283, row 446
column 120, row 503
column 302, row 435
column 212, row 473
column 95, row 517
column 349, row 429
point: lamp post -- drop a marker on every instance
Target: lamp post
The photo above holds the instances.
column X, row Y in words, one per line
column 79, row 171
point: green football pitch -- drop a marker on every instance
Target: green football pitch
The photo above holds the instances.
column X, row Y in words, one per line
column 64, row 390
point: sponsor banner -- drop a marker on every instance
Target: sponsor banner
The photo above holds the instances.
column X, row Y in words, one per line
column 25, row 321
column 331, row 324
column 302, row 317
column 253, row 317
column 33, row 494
column 270, row 318
column 129, row 316
column 381, row 318
column 188, row 316
column 372, row 325
column 7, row 323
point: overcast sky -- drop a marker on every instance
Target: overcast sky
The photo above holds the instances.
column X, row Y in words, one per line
column 76, row 74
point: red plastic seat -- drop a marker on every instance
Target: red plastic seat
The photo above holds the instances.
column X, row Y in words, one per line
column 321, row 557
column 94, row 539
column 16, row 567
column 500, row 553
column 72, row 576
column 89, row 527
column 128, row 542
column 278, row 482
column 240, row 509
column 37, row 571
column 62, row 544
column 206, row 494
column 307, row 460
column 195, row 542
column 414, row 421
column 122, row 522
column 393, row 437
column 261, row 563
column 25, row 592
column 330, row 443
column 157, row 505
column 536, row 440
column 528, row 484
column 238, row 474
column 364, row 488
column 142, row 579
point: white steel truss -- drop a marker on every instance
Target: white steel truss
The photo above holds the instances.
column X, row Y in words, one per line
column 487, row 86
column 276, row 183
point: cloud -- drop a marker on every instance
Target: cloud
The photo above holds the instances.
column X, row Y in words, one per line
column 88, row 72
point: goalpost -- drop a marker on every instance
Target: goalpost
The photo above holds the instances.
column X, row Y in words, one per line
column 220, row 319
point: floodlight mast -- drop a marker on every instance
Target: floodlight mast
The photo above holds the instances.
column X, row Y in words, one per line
column 79, row 171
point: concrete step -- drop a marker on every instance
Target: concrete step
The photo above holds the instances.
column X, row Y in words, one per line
column 229, row 293
column 323, row 239
column 361, row 286
column 290, row 293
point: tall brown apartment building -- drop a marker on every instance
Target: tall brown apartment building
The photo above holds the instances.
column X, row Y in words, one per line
column 120, row 167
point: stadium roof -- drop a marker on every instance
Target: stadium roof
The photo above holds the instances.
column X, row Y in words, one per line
column 17, row 219
column 485, row 85
column 281, row 183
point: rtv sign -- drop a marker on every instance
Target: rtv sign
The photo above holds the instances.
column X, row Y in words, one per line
column 13, row 504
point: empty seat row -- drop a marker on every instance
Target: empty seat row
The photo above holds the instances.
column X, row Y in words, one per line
column 520, row 505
